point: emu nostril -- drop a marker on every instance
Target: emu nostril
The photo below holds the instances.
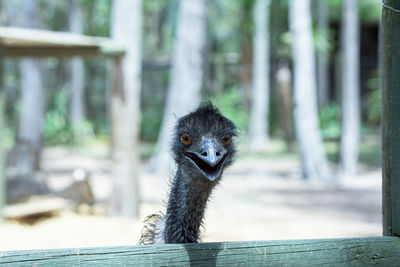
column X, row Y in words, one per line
column 218, row 154
column 204, row 154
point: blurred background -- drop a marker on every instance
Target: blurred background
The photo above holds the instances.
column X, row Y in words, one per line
column 87, row 158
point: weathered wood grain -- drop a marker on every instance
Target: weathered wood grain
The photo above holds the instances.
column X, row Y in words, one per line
column 62, row 52
column 19, row 42
column 390, row 56
column 383, row 251
column 2, row 118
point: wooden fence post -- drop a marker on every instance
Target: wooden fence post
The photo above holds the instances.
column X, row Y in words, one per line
column 125, row 106
column 2, row 125
column 124, row 130
column 390, row 49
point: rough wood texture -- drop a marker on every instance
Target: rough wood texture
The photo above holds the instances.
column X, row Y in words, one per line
column 18, row 42
column 2, row 176
column 383, row 251
column 391, row 118
column 125, row 108
column 36, row 206
column 77, row 102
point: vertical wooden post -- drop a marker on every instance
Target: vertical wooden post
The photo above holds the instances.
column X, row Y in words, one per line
column 390, row 49
column 125, row 197
column 2, row 118
column 125, row 108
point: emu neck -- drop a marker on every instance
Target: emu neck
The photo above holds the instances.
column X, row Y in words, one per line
column 186, row 206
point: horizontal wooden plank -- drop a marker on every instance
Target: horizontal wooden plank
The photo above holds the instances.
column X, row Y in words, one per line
column 32, row 42
column 384, row 251
column 61, row 52
column 36, row 206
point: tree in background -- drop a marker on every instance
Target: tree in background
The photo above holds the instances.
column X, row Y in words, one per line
column 32, row 102
column 322, row 52
column 258, row 128
column 126, row 30
column 245, row 50
column 186, row 74
column 350, row 89
column 77, row 104
column 313, row 158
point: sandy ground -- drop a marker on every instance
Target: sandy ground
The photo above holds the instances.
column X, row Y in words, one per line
column 258, row 199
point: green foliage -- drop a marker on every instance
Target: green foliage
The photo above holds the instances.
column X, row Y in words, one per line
column 329, row 119
column 335, row 9
column 274, row 120
column 323, row 40
column 230, row 23
column 151, row 122
column 12, row 83
column 8, row 138
column 159, row 21
column 96, row 95
column 230, row 104
column 284, row 49
column 370, row 151
column 153, row 95
column 369, row 10
column 56, row 129
column 279, row 29
column 97, row 16
column 53, row 15
column 372, row 108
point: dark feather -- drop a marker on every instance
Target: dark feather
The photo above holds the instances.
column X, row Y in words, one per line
column 190, row 188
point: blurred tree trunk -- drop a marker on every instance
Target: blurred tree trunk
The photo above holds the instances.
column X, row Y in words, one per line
column 313, row 158
column 245, row 72
column 323, row 54
column 32, row 103
column 186, row 75
column 258, row 129
column 246, row 52
column 77, row 104
column 125, row 97
column 350, row 89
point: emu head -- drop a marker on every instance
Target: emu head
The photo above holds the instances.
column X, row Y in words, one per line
column 203, row 143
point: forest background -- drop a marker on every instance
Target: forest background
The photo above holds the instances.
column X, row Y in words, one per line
column 250, row 67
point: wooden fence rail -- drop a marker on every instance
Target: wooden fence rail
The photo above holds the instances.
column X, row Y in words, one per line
column 382, row 251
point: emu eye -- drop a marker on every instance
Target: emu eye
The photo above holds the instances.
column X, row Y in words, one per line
column 226, row 140
column 186, row 139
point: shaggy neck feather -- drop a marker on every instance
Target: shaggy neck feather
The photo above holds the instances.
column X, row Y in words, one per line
column 186, row 206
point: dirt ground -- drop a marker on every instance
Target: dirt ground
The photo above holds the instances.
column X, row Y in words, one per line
column 258, row 199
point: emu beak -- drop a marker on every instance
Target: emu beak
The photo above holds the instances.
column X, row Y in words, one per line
column 209, row 159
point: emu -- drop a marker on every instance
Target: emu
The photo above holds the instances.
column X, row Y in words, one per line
column 202, row 147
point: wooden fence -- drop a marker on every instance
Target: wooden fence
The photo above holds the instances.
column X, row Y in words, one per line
column 383, row 251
